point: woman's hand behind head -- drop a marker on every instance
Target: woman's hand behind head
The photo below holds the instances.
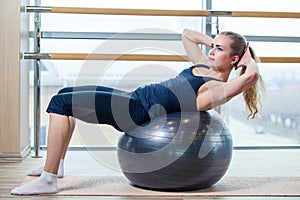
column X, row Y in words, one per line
column 244, row 61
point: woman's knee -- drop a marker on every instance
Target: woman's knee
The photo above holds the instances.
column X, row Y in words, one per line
column 65, row 90
column 60, row 104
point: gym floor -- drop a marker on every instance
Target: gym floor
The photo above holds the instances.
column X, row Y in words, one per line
column 255, row 162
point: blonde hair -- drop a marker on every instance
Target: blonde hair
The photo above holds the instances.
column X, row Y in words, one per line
column 251, row 95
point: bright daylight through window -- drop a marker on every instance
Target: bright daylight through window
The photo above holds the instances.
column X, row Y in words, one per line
column 279, row 121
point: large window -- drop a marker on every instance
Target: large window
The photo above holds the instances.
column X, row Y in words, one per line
column 279, row 123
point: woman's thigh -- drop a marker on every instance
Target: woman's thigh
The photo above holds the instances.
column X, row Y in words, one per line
column 120, row 110
column 90, row 88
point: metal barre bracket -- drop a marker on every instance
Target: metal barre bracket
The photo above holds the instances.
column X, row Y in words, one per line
column 220, row 13
column 38, row 9
column 36, row 55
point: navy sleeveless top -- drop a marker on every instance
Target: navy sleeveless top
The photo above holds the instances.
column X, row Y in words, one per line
column 173, row 95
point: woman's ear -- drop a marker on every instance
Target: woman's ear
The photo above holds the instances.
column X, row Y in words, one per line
column 235, row 60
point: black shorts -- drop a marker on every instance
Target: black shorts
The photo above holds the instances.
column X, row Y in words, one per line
column 101, row 105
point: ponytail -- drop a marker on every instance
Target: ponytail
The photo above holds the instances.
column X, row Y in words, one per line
column 251, row 95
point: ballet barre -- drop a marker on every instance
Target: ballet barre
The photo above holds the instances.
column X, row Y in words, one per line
column 152, row 12
column 137, row 57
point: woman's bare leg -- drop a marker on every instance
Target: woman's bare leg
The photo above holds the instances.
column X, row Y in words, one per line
column 72, row 123
column 61, row 168
column 58, row 135
column 61, row 172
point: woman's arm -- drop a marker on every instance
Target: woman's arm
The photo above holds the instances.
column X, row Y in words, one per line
column 191, row 39
column 215, row 93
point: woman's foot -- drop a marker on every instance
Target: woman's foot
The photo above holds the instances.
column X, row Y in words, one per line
column 45, row 184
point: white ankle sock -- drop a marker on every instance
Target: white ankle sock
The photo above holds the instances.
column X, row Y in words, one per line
column 38, row 171
column 45, row 184
column 61, row 169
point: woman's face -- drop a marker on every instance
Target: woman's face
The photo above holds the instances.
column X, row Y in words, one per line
column 219, row 55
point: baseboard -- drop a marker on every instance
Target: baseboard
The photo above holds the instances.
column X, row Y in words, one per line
column 10, row 157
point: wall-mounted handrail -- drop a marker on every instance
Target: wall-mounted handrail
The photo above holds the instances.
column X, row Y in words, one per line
column 120, row 57
column 137, row 57
column 115, row 11
column 147, row 36
column 280, row 59
column 152, row 12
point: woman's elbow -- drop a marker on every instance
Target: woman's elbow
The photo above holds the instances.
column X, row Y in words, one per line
column 200, row 109
column 203, row 107
column 185, row 33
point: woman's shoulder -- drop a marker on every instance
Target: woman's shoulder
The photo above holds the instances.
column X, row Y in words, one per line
column 190, row 69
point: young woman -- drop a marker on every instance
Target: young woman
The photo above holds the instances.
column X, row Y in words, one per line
column 201, row 87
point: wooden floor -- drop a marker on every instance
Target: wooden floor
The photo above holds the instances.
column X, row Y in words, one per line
column 244, row 163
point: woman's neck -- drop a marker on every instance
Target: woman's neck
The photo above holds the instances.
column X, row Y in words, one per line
column 224, row 76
